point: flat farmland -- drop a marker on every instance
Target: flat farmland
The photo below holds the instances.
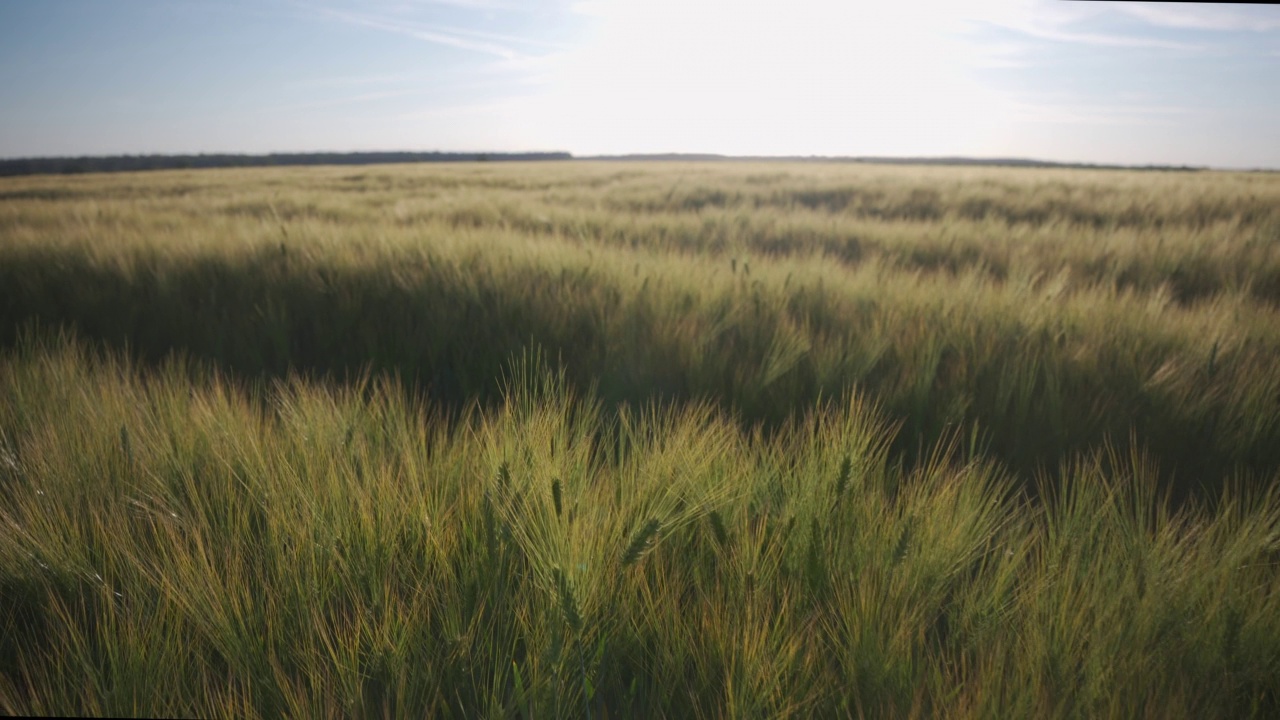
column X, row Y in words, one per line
column 642, row 439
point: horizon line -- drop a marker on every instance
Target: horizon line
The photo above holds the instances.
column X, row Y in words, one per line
column 59, row 164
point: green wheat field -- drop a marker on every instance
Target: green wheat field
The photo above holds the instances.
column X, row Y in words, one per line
column 621, row 440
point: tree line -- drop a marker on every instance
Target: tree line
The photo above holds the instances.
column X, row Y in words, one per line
column 125, row 163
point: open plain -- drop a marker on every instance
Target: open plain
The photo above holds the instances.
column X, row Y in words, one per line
column 717, row 439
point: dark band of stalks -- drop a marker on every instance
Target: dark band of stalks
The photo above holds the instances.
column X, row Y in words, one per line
column 718, row 529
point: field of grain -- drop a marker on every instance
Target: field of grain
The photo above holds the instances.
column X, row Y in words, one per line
column 640, row 439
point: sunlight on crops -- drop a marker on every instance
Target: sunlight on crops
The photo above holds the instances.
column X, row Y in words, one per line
column 636, row 440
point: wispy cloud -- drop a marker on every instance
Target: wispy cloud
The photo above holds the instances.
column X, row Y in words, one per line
column 1204, row 18
column 499, row 37
column 421, row 31
column 1058, row 34
column 1091, row 24
column 1106, row 40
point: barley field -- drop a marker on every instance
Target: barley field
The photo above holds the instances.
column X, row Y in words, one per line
column 588, row 439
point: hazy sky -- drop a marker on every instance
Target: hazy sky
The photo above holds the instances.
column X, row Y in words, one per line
column 1074, row 81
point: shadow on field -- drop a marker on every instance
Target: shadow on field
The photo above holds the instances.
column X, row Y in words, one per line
column 449, row 331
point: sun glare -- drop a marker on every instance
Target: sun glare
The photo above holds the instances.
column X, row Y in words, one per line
column 754, row 78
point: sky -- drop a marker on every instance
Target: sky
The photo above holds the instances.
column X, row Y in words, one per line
column 1100, row 82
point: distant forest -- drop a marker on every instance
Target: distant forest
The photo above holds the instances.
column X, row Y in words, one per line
column 126, row 163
